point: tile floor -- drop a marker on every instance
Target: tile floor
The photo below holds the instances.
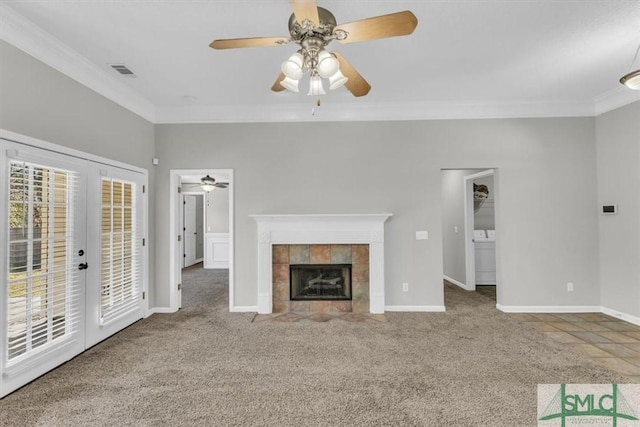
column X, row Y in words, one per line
column 319, row 317
column 607, row 340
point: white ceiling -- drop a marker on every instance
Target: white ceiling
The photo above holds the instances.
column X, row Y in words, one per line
column 466, row 59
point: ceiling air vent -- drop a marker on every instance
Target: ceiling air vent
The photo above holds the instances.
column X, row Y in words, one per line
column 122, row 69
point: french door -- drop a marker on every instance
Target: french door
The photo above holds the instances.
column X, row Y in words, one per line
column 71, row 269
column 115, row 230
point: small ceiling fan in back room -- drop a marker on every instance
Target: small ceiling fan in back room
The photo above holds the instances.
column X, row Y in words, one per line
column 209, row 183
column 313, row 28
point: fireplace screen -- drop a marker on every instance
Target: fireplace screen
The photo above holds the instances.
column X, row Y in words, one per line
column 320, row 282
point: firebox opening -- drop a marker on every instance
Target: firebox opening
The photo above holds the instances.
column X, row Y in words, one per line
column 320, row 282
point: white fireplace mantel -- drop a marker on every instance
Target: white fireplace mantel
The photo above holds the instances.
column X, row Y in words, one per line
column 318, row 229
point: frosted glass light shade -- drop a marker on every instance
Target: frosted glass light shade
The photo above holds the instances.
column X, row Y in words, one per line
column 327, row 64
column 207, row 183
column 292, row 67
column 315, row 86
column 337, row 80
column 632, row 80
column 290, row 84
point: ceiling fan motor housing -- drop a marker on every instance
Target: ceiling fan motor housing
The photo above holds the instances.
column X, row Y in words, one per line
column 302, row 30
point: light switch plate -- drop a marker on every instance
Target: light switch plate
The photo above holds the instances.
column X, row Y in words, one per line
column 422, row 235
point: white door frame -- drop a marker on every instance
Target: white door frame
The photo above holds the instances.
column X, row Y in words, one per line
column 469, row 247
column 175, row 256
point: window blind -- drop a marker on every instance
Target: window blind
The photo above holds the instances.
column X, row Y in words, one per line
column 43, row 283
column 120, row 279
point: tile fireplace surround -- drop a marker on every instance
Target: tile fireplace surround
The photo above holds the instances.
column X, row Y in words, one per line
column 347, row 229
column 355, row 255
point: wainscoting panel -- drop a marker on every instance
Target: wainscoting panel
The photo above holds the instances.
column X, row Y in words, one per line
column 217, row 250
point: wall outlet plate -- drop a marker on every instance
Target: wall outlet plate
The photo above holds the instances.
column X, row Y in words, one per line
column 422, row 235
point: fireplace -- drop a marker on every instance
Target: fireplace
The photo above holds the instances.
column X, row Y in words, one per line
column 286, row 239
column 327, row 278
column 320, row 282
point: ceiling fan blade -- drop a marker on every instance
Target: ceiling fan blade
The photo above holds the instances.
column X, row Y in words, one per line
column 356, row 84
column 277, row 87
column 249, row 42
column 379, row 27
column 305, row 9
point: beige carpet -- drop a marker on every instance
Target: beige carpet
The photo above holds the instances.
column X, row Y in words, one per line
column 470, row 366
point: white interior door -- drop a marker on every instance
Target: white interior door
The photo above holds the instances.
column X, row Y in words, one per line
column 43, row 219
column 190, row 231
column 114, row 296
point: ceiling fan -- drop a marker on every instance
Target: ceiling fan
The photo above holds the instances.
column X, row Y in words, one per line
column 313, row 28
column 209, row 183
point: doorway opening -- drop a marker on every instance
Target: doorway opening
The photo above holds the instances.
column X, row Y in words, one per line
column 470, row 230
column 202, row 231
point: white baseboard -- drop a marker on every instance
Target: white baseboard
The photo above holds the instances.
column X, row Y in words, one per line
column 419, row 308
column 626, row 317
column 549, row 308
column 161, row 310
column 217, row 265
column 455, row 282
column 244, row 309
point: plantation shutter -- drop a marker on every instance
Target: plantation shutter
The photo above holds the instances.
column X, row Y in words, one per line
column 44, row 292
column 120, row 274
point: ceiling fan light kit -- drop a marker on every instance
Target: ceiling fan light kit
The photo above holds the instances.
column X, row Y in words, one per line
column 315, row 86
column 313, row 28
column 337, row 80
column 631, row 80
column 292, row 67
column 328, row 65
column 290, row 84
column 209, row 184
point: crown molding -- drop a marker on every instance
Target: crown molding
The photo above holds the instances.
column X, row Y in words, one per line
column 28, row 37
column 616, row 98
column 365, row 111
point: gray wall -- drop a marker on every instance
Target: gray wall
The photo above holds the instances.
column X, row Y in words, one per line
column 40, row 102
column 454, row 255
column 618, row 148
column 352, row 167
column 218, row 211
